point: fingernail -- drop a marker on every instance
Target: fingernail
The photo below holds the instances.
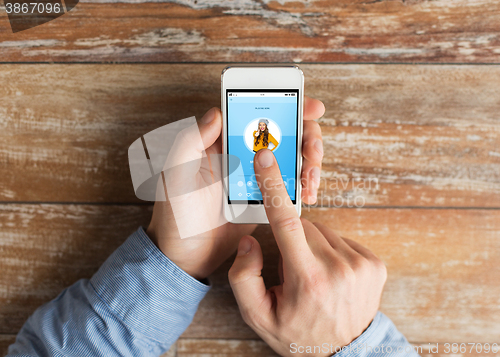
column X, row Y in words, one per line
column 266, row 158
column 318, row 145
column 245, row 246
column 209, row 116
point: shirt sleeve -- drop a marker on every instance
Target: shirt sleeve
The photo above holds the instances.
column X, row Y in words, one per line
column 137, row 304
column 381, row 338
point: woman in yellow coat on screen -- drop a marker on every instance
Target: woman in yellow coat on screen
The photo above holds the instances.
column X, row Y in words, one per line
column 262, row 137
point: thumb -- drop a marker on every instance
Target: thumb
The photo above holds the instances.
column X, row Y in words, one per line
column 210, row 127
column 193, row 140
column 188, row 153
column 248, row 285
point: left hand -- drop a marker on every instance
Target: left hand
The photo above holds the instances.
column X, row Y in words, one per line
column 200, row 256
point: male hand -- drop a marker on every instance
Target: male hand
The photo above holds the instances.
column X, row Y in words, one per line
column 331, row 286
column 200, row 256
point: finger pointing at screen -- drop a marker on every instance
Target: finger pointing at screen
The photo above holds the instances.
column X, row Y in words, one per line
column 331, row 286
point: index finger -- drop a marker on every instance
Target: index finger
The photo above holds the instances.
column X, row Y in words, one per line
column 313, row 108
column 283, row 217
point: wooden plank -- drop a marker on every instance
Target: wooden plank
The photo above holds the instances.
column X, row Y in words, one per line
column 441, row 31
column 5, row 342
column 443, row 265
column 220, row 348
column 45, row 248
column 416, row 130
column 413, row 135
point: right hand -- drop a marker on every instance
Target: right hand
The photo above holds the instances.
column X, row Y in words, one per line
column 331, row 286
column 257, row 133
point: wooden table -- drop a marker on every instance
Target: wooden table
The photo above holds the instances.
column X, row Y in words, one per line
column 412, row 91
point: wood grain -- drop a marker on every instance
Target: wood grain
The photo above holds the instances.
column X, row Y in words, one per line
column 221, row 348
column 444, row 31
column 394, row 135
column 417, row 145
column 199, row 347
column 5, row 342
column 46, row 248
column 443, row 265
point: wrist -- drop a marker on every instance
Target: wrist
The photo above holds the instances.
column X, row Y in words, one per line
column 369, row 336
column 191, row 268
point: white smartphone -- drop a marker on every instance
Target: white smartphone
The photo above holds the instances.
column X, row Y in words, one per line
column 262, row 107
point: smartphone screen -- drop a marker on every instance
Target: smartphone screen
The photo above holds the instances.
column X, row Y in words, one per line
column 258, row 119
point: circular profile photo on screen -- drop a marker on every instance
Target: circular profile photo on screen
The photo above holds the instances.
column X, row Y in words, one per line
column 262, row 133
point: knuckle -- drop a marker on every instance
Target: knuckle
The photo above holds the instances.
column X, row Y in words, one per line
column 236, row 276
column 381, row 268
column 253, row 318
column 315, row 282
column 360, row 263
column 376, row 268
column 320, row 225
column 289, row 224
column 346, row 273
column 316, row 126
column 185, row 136
column 312, row 125
column 247, row 317
column 370, row 266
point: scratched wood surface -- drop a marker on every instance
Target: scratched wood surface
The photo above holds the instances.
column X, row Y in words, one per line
column 188, row 347
column 398, row 135
column 442, row 264
column 458, row 31
column 247, row 348
column 418, row 145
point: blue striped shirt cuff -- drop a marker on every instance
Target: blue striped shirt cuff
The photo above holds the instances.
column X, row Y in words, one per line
column 147, row 291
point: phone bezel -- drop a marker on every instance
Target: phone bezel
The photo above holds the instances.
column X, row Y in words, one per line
column 260, row 78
